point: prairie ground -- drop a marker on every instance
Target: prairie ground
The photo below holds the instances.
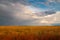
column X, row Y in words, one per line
column 29, row 33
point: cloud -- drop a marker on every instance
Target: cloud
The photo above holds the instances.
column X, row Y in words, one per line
column 51, row 0
column 14, row 14
column 52, row 19
column 17, row 13
column 57, row 17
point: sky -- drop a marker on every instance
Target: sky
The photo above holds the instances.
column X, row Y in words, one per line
column 30, row 12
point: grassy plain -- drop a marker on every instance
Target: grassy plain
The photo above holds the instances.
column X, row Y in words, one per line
column 29, row 33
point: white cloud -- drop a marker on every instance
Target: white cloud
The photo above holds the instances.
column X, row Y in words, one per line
column 51, row 0
column 57, row 17
column 28, row 15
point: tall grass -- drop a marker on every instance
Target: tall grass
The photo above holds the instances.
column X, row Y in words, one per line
column 29, row 34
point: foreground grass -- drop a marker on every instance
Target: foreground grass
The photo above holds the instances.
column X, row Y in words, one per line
column 29, row 33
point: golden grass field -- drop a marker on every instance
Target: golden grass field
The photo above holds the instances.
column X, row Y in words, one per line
column 29, row 33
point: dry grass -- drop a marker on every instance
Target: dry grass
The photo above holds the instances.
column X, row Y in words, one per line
column 29, row 33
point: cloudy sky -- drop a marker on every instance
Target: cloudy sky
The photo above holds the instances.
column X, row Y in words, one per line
column 30, row 12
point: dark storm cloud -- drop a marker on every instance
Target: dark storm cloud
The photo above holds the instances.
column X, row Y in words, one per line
column 45, row 13
column 24, row 2
column 5, row 15
column 7, row 9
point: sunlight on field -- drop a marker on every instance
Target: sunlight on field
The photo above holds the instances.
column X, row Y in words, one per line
column 29, row 33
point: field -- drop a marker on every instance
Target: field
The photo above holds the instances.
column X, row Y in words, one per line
column 29, row 33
